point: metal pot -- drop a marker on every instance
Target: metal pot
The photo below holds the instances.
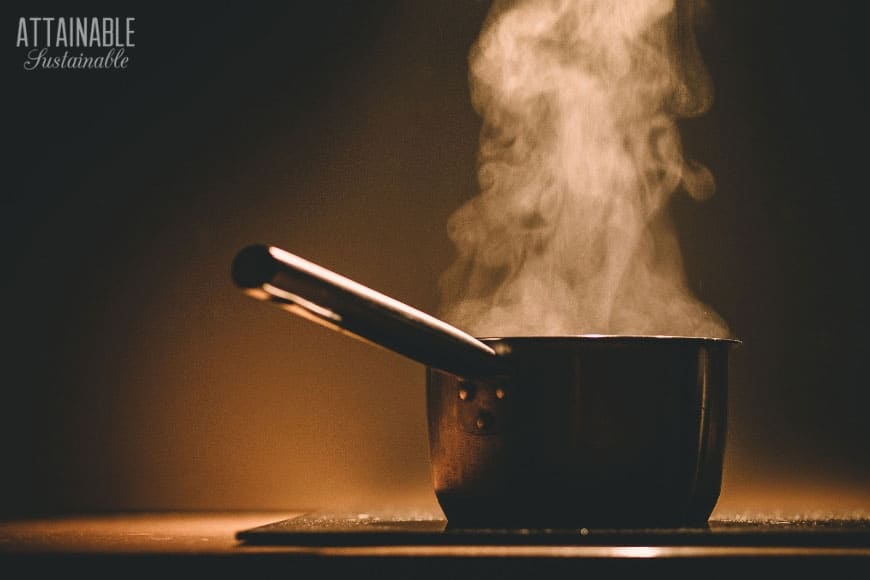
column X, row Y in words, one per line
column 578, row 431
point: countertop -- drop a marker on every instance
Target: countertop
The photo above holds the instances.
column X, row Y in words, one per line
column 209, row 541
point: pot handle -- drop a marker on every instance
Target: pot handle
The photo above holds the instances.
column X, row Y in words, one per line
column 313, row 292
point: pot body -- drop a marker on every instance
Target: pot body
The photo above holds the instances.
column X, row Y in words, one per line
column 586, row 431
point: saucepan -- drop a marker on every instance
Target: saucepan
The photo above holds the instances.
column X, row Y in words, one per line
column 537, row 431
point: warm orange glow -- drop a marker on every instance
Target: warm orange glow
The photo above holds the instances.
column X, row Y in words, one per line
column 638, row 551
column 792, row 496
column 173, row 391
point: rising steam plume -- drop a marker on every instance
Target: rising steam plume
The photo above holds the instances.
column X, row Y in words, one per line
column 579, row 156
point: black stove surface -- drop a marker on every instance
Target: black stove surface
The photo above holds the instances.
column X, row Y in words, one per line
column 318, row 529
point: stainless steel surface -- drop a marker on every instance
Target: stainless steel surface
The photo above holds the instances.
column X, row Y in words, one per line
column 325, row 297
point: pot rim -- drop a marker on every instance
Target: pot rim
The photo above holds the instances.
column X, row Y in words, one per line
column 615, row 338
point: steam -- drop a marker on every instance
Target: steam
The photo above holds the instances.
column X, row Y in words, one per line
column 579, row 155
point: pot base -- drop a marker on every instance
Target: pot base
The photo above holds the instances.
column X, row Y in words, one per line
column 470, row 513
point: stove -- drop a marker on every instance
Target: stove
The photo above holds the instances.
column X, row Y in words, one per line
column 720, row 537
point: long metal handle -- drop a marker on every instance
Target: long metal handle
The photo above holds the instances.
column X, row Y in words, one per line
column 303, row 288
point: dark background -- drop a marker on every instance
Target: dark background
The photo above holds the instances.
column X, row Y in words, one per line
column 136, row 376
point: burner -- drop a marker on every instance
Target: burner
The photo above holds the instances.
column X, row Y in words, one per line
column 363, row 529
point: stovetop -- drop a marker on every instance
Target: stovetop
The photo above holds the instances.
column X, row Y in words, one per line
column 366, row 529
